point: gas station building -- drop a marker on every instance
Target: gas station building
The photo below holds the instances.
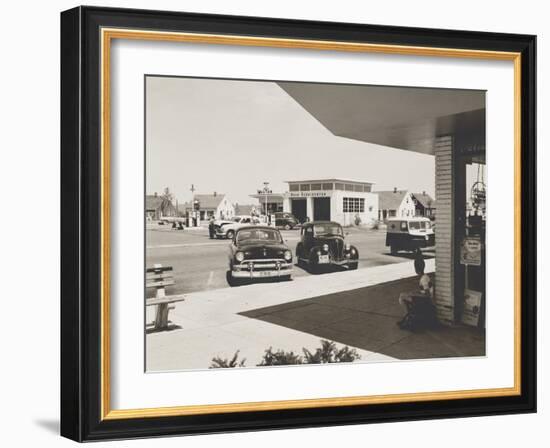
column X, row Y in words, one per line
column 348, row 202
column 344, row 201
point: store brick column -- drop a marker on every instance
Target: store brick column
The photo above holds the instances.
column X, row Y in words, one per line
column 444, row 230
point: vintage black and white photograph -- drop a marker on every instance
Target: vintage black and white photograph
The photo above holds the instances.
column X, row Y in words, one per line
column 292, row 223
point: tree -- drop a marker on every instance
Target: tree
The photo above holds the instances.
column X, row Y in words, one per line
column 166, row 206
column 167, row 195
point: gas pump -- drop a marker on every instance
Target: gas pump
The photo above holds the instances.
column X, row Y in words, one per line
column 196, row 213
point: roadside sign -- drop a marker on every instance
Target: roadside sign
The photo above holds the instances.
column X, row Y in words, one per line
column 472, row 307
column 470, row 251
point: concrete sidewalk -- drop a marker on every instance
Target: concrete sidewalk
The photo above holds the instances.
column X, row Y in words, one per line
column 290, row 316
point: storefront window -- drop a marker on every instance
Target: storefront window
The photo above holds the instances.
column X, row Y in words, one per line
column 354, row 205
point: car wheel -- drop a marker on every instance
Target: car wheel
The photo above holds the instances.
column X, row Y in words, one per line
column 231, row 281
column 353, row 266
column 393, row 250
column 230, row 234
column 285, row 278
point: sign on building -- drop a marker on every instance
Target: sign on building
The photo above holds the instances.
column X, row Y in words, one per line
column 470, row 251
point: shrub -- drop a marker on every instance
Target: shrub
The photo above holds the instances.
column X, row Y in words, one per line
column 280, row 358
column 328, row 353
column 219, row 363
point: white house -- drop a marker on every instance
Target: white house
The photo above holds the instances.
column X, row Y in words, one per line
column 395, row 204
column 216, row 204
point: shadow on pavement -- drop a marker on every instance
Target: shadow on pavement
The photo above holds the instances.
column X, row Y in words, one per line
column 170, row 327
column 319, row 270
column 427, row 255
column 367, row 318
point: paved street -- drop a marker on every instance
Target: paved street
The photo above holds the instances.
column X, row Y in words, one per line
column 201, row 263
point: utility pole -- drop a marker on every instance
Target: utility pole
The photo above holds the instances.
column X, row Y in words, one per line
column 192, row 214
column 266, row 184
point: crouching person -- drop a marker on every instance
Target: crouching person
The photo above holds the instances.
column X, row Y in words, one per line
column 418, row 304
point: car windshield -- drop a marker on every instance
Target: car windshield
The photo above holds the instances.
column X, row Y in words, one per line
column 418, row 225
column 327, row 229
column 261, row 235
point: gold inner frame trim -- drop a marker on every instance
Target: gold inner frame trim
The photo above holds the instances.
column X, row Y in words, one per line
column 107, row 35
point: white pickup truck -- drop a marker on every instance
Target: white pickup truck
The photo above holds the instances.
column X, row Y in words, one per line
column 226, row 228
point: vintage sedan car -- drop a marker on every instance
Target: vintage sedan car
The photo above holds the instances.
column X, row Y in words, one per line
column 409, row 234
column 286, row 220
column 227, row 229
column 322, row 244
column 258, row 252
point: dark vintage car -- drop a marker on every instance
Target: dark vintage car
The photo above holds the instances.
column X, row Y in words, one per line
column 258, row 252
column 286, row 220
column 409, row 234
column 322, row 244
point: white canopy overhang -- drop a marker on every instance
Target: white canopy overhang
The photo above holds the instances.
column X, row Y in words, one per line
column 407, row 118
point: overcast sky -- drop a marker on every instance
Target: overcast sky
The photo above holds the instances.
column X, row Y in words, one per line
column 231, row 136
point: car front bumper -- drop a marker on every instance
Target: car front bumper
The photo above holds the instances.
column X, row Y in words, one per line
column 261, row 269
column 325, row 259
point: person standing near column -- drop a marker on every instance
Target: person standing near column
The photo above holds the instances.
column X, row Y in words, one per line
column 211, row 231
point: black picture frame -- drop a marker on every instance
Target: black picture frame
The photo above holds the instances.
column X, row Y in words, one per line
column 81, row 211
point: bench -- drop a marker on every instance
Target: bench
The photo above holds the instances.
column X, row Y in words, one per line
column 159, row 277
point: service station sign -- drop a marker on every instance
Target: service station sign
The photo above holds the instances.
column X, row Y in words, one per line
column 470, row 251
